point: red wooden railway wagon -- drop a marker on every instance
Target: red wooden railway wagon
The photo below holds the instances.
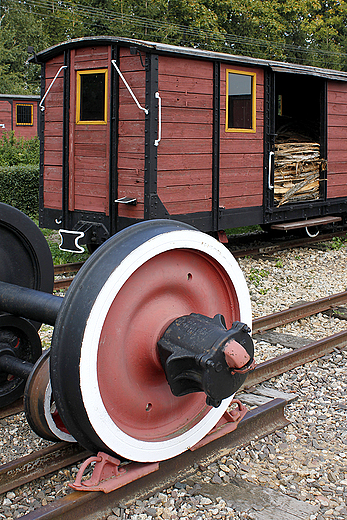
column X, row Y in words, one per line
column 19, row 114
column 135, row 130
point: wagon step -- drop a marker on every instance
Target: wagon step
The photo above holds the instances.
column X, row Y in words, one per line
column 285, row 226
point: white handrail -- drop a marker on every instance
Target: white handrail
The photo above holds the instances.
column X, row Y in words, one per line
column 271, row 186
column 128, row 87
column 50, row 86
column 157, row 141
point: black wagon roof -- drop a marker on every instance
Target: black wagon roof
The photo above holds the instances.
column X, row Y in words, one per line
column 162, row 48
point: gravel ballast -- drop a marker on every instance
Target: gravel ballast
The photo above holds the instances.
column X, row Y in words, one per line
column 299, row 472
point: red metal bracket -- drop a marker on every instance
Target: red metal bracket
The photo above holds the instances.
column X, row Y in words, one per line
column 222, row 237
column 226, row 424
column 108, row 475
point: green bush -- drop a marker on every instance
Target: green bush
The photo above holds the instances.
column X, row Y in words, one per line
column 16, row 150
column 19, row 187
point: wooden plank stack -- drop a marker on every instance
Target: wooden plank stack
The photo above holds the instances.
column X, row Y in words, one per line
column 297, row 171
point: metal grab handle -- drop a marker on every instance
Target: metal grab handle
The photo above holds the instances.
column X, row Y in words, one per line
column 270, row 186
column 157, row 141
column 50, row 86
column 128, row 87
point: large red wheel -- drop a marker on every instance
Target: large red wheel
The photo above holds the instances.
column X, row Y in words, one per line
column 108, row 382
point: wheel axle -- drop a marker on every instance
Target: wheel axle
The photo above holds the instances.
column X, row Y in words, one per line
column 15, row 366
column 29, row 303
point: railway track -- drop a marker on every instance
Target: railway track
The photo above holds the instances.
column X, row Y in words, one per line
column 261, row 244
column 258, row 422
column 239, row 246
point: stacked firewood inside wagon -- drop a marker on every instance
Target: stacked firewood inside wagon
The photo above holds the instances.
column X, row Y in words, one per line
column 297, row 168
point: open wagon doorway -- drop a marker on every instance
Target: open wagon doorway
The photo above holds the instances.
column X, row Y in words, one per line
column 298, row 157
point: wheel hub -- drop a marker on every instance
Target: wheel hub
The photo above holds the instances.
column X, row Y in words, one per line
column 199, row 354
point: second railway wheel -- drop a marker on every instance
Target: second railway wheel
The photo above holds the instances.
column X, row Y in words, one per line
column 108, row 382
column 39, row 405
column 20, row 340
column 25, row 258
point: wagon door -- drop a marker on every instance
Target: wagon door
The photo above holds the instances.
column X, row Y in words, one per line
column 296, row 146
column 241, row 146
column 89, row 130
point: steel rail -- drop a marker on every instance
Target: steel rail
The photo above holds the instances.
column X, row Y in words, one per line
column 63, row 283
column 297, row 312
column 67, row 268
column 280, row 364
column 257, row 423
column 285, row 244
column 12, row 409
column 39, row 464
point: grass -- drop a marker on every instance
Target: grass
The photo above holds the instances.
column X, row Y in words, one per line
column 243, row 230
column 337, row 243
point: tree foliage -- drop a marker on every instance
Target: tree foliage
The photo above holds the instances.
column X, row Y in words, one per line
column 312, row 32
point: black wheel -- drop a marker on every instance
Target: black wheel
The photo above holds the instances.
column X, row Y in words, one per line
column 108, row 382
column 39, row 405
column 18, row 337
column 25, row 258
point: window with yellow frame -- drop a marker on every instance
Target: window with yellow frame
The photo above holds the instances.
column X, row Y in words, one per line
column 240, row 101
column 91, row 97
column 24, row 114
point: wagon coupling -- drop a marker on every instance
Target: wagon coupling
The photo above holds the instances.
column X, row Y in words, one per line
column 149, row 343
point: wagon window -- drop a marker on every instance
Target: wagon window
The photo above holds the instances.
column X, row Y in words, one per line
column 240, row 102
column 91, row 105
column 24, row 114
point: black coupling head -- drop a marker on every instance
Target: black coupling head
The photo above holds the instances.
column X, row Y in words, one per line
column 199, row 354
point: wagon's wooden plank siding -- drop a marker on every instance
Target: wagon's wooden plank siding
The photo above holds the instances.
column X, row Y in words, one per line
column 90, row 175
column 51, row 143
column 54, row 129
column 188, row 100
column 131, row 145
column 91, row 57
column 5, row 115
column 53, row 173
column 88, row 138
column 131, row 135
column 337, row 141
column 53, row 116
column 185, row 151
column 84, row 164
column 89, row 143
column 183, row 162
column 125, row 97
column 241, row 153
column 54, row 158
column 90, row 203
column 201, row 146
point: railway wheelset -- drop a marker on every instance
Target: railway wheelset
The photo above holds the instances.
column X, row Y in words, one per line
column 150, row 342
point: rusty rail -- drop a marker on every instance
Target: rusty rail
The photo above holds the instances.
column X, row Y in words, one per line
column 67, row 268
column 79, row 505
column 280, row 364
column 297, row 312
column 39, row 464
column 280, row 245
